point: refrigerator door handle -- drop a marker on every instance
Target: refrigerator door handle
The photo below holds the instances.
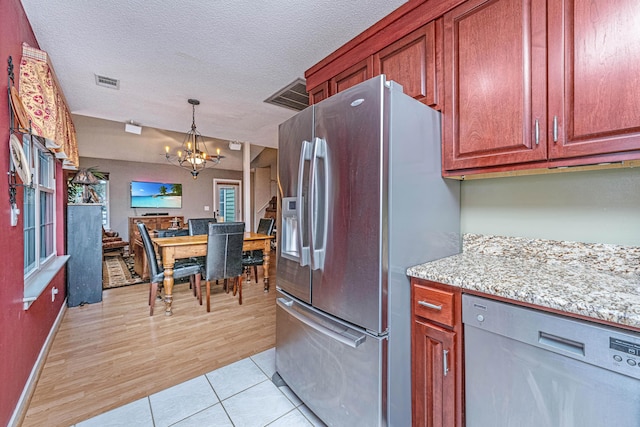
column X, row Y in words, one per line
column 319, row 206
column 305, row 154
column 349, row 341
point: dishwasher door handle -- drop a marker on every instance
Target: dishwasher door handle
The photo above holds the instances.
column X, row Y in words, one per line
column 561, row 343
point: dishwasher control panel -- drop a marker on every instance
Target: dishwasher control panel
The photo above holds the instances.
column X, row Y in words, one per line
column 626, row 352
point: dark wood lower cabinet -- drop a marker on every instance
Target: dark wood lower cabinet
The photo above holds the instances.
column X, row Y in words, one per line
column 437, row 355
column 434, row 376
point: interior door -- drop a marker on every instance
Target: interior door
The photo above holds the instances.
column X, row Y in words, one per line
column 228, row 200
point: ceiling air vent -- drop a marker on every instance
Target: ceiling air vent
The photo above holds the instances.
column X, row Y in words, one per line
column 107, row 82
column 293, row 96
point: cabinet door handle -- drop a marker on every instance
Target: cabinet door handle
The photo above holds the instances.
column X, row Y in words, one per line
column 445, row 363
column 555, row 128
column 537, row 132
column 429, row 305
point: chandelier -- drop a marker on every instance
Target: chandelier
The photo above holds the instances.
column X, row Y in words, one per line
column 193, row 156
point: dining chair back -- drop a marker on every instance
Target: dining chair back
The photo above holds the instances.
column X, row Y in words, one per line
column 256, row 257
column 265, row 226
column 199, row 225
column 172, row 233
column 224, row 256
column 156, row 272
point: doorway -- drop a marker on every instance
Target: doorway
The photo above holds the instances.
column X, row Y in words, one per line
column 227, row 196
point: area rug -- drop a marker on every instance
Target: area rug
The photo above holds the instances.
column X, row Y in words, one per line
column 118, row 271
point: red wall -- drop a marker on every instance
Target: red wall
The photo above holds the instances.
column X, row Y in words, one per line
column 22, row 333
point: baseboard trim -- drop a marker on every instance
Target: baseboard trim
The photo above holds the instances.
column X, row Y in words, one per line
column 23, row 403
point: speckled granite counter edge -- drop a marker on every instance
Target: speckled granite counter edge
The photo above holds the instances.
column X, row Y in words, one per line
column 599, row 281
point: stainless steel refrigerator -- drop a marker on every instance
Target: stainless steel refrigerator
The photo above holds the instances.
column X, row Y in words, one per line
column 361, row 199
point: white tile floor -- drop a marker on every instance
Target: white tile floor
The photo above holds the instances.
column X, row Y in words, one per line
column 240, row 394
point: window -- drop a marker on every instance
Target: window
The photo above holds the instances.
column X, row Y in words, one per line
column 103, row 192
column 101, row 189
column 39, row 208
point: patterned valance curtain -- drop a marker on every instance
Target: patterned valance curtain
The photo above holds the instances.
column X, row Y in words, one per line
column 45, row 103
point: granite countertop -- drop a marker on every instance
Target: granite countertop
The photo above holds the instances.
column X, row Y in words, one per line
column 600, row 281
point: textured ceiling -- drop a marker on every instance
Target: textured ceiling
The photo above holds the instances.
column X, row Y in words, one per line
column 231, row 55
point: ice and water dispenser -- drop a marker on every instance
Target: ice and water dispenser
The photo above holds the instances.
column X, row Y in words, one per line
column 290, row 240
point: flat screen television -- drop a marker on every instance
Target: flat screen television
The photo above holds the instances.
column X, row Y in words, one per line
column 156, row 195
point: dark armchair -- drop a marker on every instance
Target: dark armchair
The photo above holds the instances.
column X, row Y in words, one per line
column 256, row 257
column 112, row 242
column 156, row 272
column 224, row 257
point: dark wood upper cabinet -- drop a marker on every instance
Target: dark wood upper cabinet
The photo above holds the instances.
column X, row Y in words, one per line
column 540, row 84
column 358, row 73
column 594, row 77
column 522, row 84
column 414, row 61
column 406, row 45
column 319, row 93
column 495, row 83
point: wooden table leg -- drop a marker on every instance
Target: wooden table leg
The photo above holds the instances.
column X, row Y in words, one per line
column 168, row 288
column 265, row 266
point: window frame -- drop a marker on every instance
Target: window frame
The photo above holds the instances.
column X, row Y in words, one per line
column 43, row 167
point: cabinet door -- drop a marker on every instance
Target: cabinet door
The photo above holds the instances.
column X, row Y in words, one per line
column 358, row 73
column 433, row 397
column 84, row 245
column 319, row 93
column 594, row 77
column 495, row 80
column 414, row 61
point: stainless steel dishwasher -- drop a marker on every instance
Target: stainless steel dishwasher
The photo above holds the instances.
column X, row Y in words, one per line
column 525, row 367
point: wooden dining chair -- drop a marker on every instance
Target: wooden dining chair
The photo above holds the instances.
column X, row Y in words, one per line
column 224, row 257
column 156, row 272
column 256, row 257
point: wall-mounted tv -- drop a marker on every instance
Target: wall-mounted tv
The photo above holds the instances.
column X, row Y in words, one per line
column 156, row 195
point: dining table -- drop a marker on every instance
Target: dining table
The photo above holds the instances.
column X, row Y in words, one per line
column 178, row 247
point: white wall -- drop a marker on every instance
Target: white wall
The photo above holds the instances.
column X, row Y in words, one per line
column 261, row 192
column 593, row 207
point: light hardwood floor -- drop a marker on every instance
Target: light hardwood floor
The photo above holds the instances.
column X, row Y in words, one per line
column 109, row 354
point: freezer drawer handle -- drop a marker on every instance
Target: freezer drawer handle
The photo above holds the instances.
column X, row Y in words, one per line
column 429, row 305
column 286, row 302
column 353, row 343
